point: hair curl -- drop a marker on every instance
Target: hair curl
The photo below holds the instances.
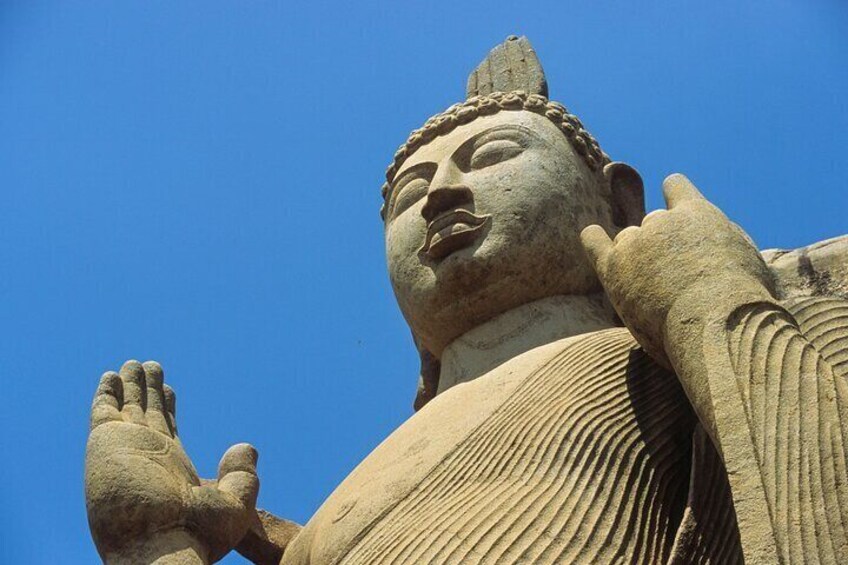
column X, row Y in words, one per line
column 464, row 112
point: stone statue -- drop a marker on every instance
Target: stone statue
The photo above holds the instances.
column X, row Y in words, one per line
column 597, row 385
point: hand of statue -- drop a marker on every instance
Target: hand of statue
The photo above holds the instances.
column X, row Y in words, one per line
column 142, row 489
column 691, row 249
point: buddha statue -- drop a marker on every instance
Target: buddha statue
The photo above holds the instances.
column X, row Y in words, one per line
column 597, row 385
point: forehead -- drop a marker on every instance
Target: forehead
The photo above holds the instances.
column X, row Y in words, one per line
column 445, row 145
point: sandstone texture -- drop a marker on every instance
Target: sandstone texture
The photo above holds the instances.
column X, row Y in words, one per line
column 597, row 385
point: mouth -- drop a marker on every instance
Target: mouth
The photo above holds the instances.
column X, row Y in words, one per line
column 451, row 231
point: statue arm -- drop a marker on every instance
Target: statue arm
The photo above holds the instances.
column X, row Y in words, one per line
column 267, row 538
column 764, row 379
column 783, row 410
column 773, row 400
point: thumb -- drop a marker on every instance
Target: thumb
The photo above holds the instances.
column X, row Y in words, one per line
column 237, row 473
column 597, row 245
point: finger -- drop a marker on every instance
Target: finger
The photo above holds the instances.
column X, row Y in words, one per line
column 597, row 245
column 237, row 473
column 171, row 406
column 135, row 392
column 653, row 216
column 678, row 189
column 239, row 457
column 106, row 406
column 625, row 234
column 157, row 413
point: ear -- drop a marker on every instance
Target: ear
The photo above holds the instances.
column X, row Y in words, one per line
column 628, row 194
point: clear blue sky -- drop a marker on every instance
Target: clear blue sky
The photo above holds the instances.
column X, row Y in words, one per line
column 198, row 183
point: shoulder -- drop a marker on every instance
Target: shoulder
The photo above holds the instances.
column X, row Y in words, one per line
column 820, row 269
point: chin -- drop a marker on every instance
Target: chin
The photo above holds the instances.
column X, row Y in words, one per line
column 466, row 292
column 474, row 284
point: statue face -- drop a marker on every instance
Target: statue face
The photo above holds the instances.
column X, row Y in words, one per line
column 487, row 218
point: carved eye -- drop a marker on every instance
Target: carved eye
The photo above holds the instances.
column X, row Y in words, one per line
column 408, row 194
column 495, row 151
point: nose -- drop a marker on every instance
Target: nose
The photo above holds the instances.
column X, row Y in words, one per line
column 444, row 198
column 446, row 192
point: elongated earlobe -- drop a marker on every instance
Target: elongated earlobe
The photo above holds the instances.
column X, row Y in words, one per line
column 628, row 194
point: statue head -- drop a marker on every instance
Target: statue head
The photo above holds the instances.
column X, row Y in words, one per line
column 484, row 205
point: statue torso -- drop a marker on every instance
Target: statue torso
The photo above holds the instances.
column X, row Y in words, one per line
column 577, row 451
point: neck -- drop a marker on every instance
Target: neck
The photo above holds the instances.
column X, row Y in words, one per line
column 521, row 329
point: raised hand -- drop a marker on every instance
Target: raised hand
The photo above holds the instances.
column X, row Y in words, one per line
column 143, row 495
column 691, row 249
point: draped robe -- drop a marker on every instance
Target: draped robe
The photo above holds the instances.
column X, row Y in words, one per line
column 586, row 451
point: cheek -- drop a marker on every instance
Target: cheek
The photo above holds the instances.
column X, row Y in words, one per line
column 404, row 237
column 507, row 195
column 590, row 206
column 522, row 204
column 538, row 217
column 565, row 205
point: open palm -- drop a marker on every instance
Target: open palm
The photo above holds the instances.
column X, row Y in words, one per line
column 139, row 481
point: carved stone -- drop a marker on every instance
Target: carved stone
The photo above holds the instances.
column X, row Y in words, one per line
column 597, row 385
column 820, row 269
column 511, row 66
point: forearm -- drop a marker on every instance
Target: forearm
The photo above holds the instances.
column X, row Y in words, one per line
column 174, row 547
column 697, row 295
column 267, row 539
column 696, row 340
column 769, row 399
column 737, row 346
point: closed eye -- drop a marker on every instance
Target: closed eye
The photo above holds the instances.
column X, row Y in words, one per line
column 408, row 194
column 493, row 152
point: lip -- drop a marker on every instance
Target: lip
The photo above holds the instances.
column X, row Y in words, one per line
column 451, row 231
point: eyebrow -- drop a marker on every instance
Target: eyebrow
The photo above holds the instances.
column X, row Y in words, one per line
column 497, row 132
column 416, row 170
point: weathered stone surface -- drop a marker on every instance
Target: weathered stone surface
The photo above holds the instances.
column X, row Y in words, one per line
column 597, row 385
column 820, row 269
column 145, row 502
column 510, row 66
column 267, row 538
